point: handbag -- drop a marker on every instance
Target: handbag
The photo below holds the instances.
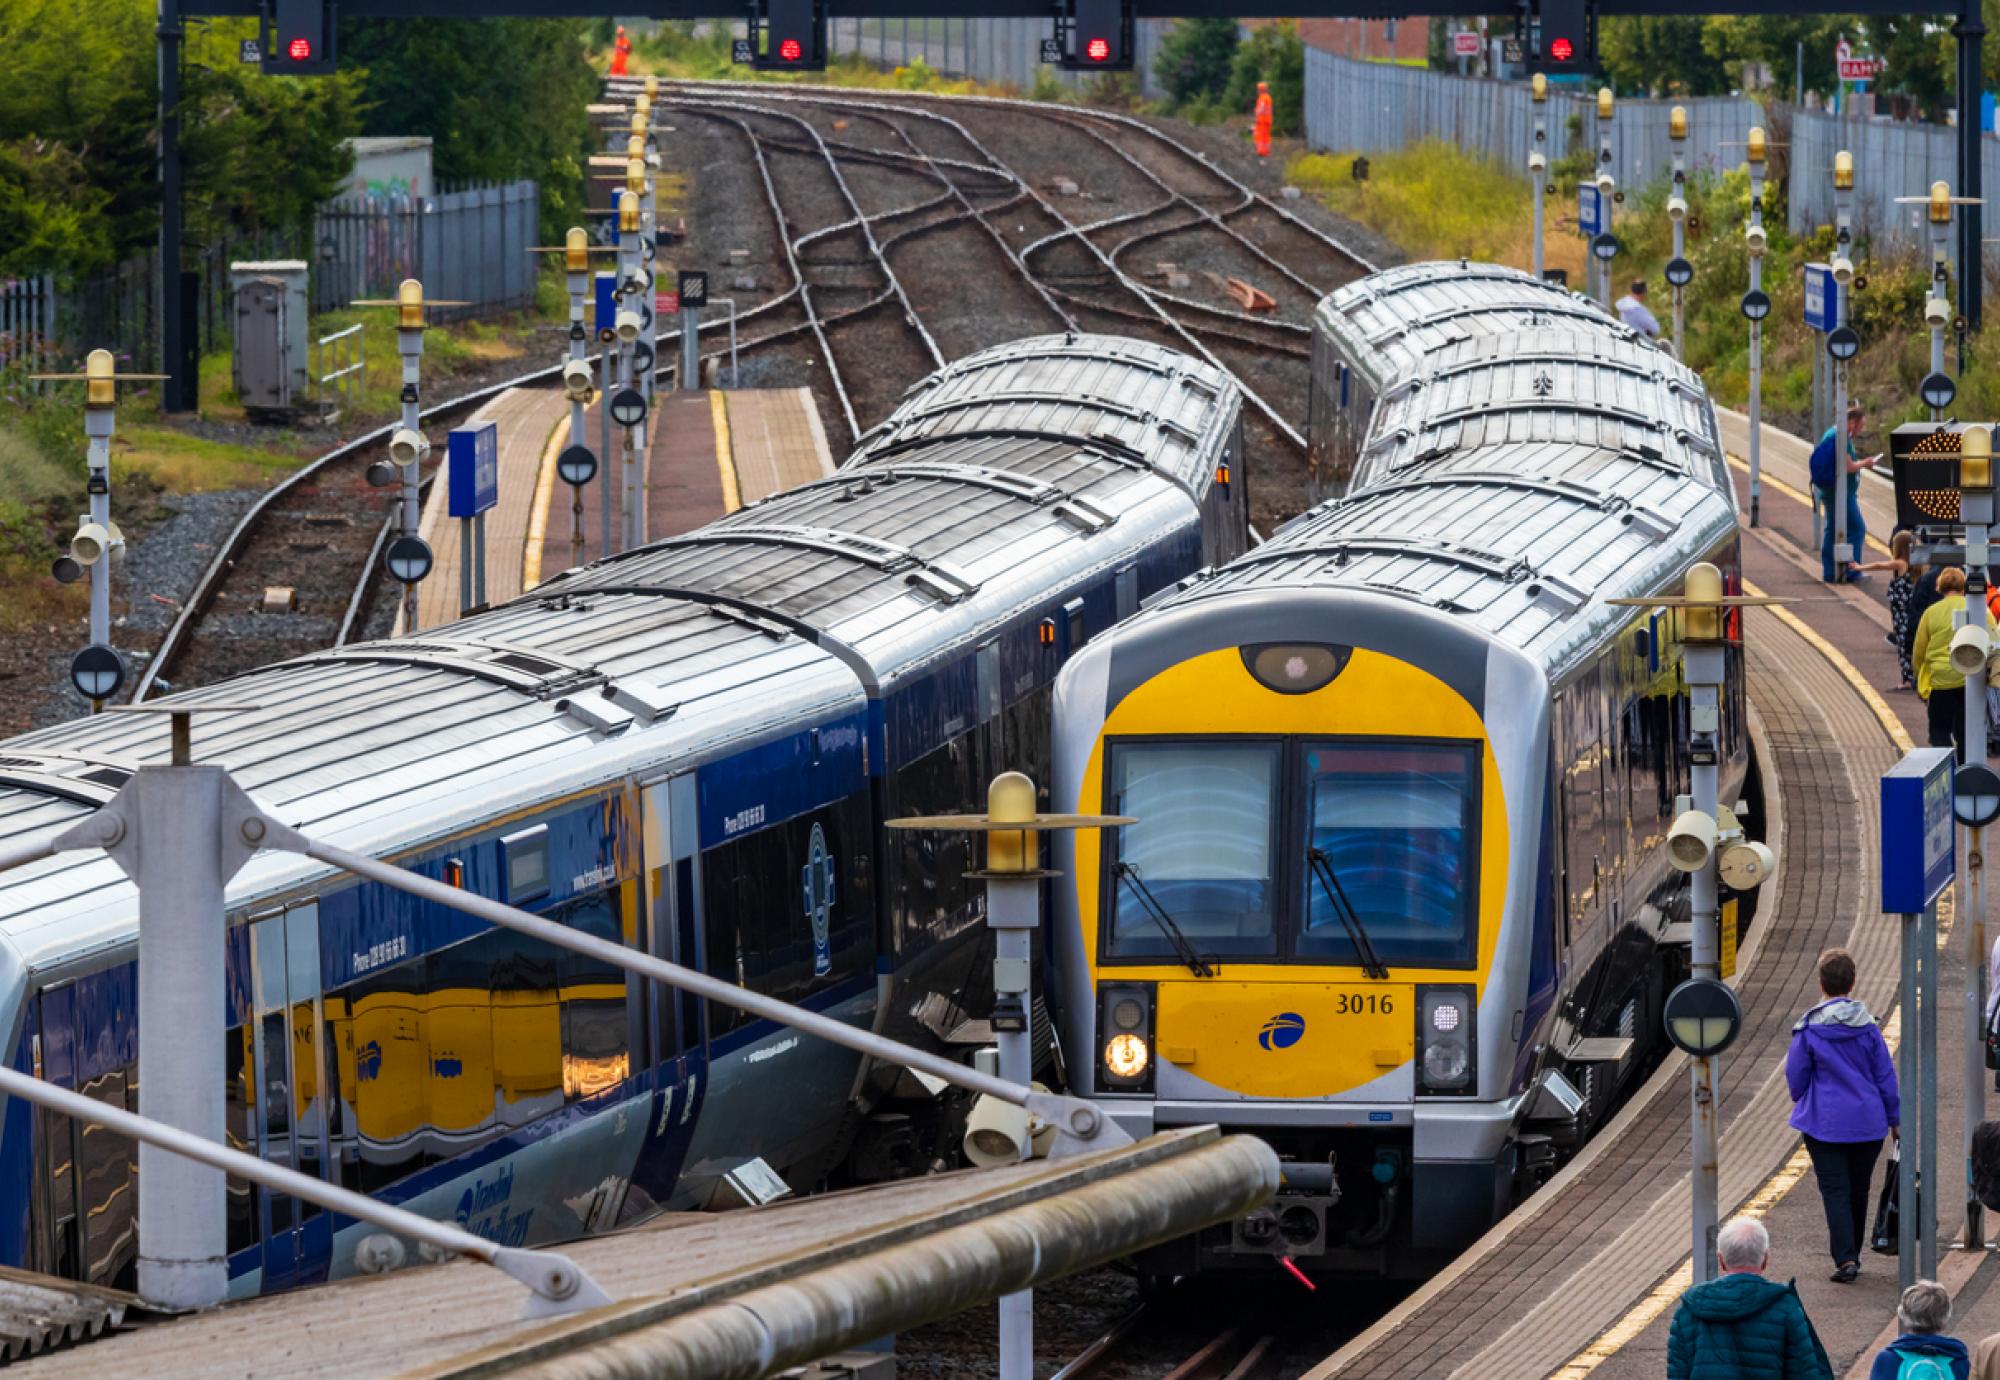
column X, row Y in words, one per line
column 1884, row 1238
column 1993, row 1038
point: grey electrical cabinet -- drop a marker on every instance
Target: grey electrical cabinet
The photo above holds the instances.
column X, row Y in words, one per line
column 272, row 367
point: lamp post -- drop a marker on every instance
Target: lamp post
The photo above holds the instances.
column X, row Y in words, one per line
column 997, row 1132
column 1756, row 306
column 1707, row 844
column 1538, row 162
column 630, row 327
column 1976, row 509
column 1679, row 271
column 1843, row 275
column 1605, row 246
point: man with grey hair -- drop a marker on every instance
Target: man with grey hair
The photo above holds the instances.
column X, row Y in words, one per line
column 1923, row 1352
column 1741, row 1326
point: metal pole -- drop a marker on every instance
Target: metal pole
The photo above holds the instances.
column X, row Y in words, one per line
column 1976, row 509
column 1704, row 671
column 180, row 394
column 1970, row 30
column 607, row 359
column 1843, row 195
column 479, row 560
column 168, row 836
column 1607, row 190
column 1538, row 160
column 690, row 368
column 1927, row 1203
column 1677, row 209
column 465, row 596
column 1908, row 1075
column 1756, row 160
column 410, row 345
column 98, row 422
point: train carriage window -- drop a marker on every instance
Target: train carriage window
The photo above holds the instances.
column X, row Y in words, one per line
column 1391, row 836
column 390, row 1030
column 596, row 1048
column 240, row 1196
column 1584, row 795
column 930, row 896
column 107, row 1169
column 1202, row 860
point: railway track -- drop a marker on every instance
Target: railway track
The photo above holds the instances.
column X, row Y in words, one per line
column 321, row 529
column 1129, row 1350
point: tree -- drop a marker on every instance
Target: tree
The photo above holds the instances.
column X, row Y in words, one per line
column 1194, row 57
column 1664, row 55
column 1275, row 55
column 500, row 98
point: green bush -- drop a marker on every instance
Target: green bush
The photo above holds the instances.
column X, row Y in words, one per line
column 1272, row 54
column 1193, row 61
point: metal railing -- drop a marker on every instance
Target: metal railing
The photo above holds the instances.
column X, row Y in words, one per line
column 340, row 367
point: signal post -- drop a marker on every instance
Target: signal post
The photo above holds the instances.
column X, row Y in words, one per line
column 1756, row 306
column 1707, row 842
column 1679, row 271
column 1604, row 246
column 1538, row 162
column 1842, row 344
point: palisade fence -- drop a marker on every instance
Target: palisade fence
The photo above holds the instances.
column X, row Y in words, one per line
column 1372, row 107
column 1891, row 159
column 468, row 245
column 1000, row 51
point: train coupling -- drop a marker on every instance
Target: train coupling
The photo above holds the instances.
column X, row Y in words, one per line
column 1294, row 1222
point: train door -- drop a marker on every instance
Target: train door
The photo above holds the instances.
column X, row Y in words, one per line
column 672, row 928
column 289, row 1054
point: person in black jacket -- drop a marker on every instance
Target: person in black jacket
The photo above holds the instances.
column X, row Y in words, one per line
column 1741, row 1326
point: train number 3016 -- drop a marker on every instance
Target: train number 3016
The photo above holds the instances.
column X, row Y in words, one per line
column 1365, row 1004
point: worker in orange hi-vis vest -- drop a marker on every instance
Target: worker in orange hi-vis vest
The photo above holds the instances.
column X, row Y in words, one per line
column 620, row 51
column 1262, row 130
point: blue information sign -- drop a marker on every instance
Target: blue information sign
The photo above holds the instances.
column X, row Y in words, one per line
column 473, row 456
column 1589, row 204
column 1822, row 298
column 607, row 301
column 1917, row 830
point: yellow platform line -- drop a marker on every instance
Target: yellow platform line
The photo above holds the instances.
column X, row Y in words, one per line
column 725, row 453
column 538, row 512
column 1664, row 1295
column 1801, row 496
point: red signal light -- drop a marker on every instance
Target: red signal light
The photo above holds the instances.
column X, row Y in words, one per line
column 299, row 50
column 1561, row 49
column 790, row 50
column 1097, row 50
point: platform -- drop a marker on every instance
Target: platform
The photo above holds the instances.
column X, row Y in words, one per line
column 1585, row 1275
column 951, row 1240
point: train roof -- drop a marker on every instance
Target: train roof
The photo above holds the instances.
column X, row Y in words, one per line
column 1052, row 458
column 1514, row 476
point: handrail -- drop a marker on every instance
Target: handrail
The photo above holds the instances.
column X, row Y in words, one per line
column 556, row 1283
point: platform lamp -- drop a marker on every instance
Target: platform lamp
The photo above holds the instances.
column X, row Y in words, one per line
column 1703, row 838
column 577, row 464
column 98, row 671
column 1604, row 246
column 1756, row 306
column 1538, row 161
column 998, row 1132
column 1679, row 271
column 1842, row 344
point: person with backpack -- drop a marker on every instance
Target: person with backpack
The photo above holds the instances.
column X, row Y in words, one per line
column 1741, row 1326
column 1923, row 1352
column 1821, row 471
column 1843, row 1085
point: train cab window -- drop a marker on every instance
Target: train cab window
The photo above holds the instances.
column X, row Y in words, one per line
column 1202, row 860
column 1391, row 847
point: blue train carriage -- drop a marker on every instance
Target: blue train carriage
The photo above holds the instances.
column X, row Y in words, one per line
column 1014, row 506
column 1397, row 899
column 686, row 749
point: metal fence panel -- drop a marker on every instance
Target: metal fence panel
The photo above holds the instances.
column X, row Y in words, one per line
column 1001, row 52
column 1373, row 107
column 470, row 245
column 1891, row 159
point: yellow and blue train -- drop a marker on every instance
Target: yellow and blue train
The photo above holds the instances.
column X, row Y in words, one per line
column 1396, row 899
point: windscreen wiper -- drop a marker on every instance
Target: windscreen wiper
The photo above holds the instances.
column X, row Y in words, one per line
column 1322, row 866
column 1197, row 964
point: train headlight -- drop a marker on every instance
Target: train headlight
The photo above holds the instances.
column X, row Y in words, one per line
column 1446, row 1041
column 1125, row 1037
column 1126, row 1057
column 1294, row 668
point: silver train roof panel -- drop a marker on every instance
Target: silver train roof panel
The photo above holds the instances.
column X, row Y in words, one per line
column 386, row 747
column 1388, row 322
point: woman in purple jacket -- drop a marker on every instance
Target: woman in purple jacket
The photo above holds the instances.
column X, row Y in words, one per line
column 1844, row 1085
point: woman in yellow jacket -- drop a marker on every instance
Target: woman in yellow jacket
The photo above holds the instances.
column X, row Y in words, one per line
column 1938, row 681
